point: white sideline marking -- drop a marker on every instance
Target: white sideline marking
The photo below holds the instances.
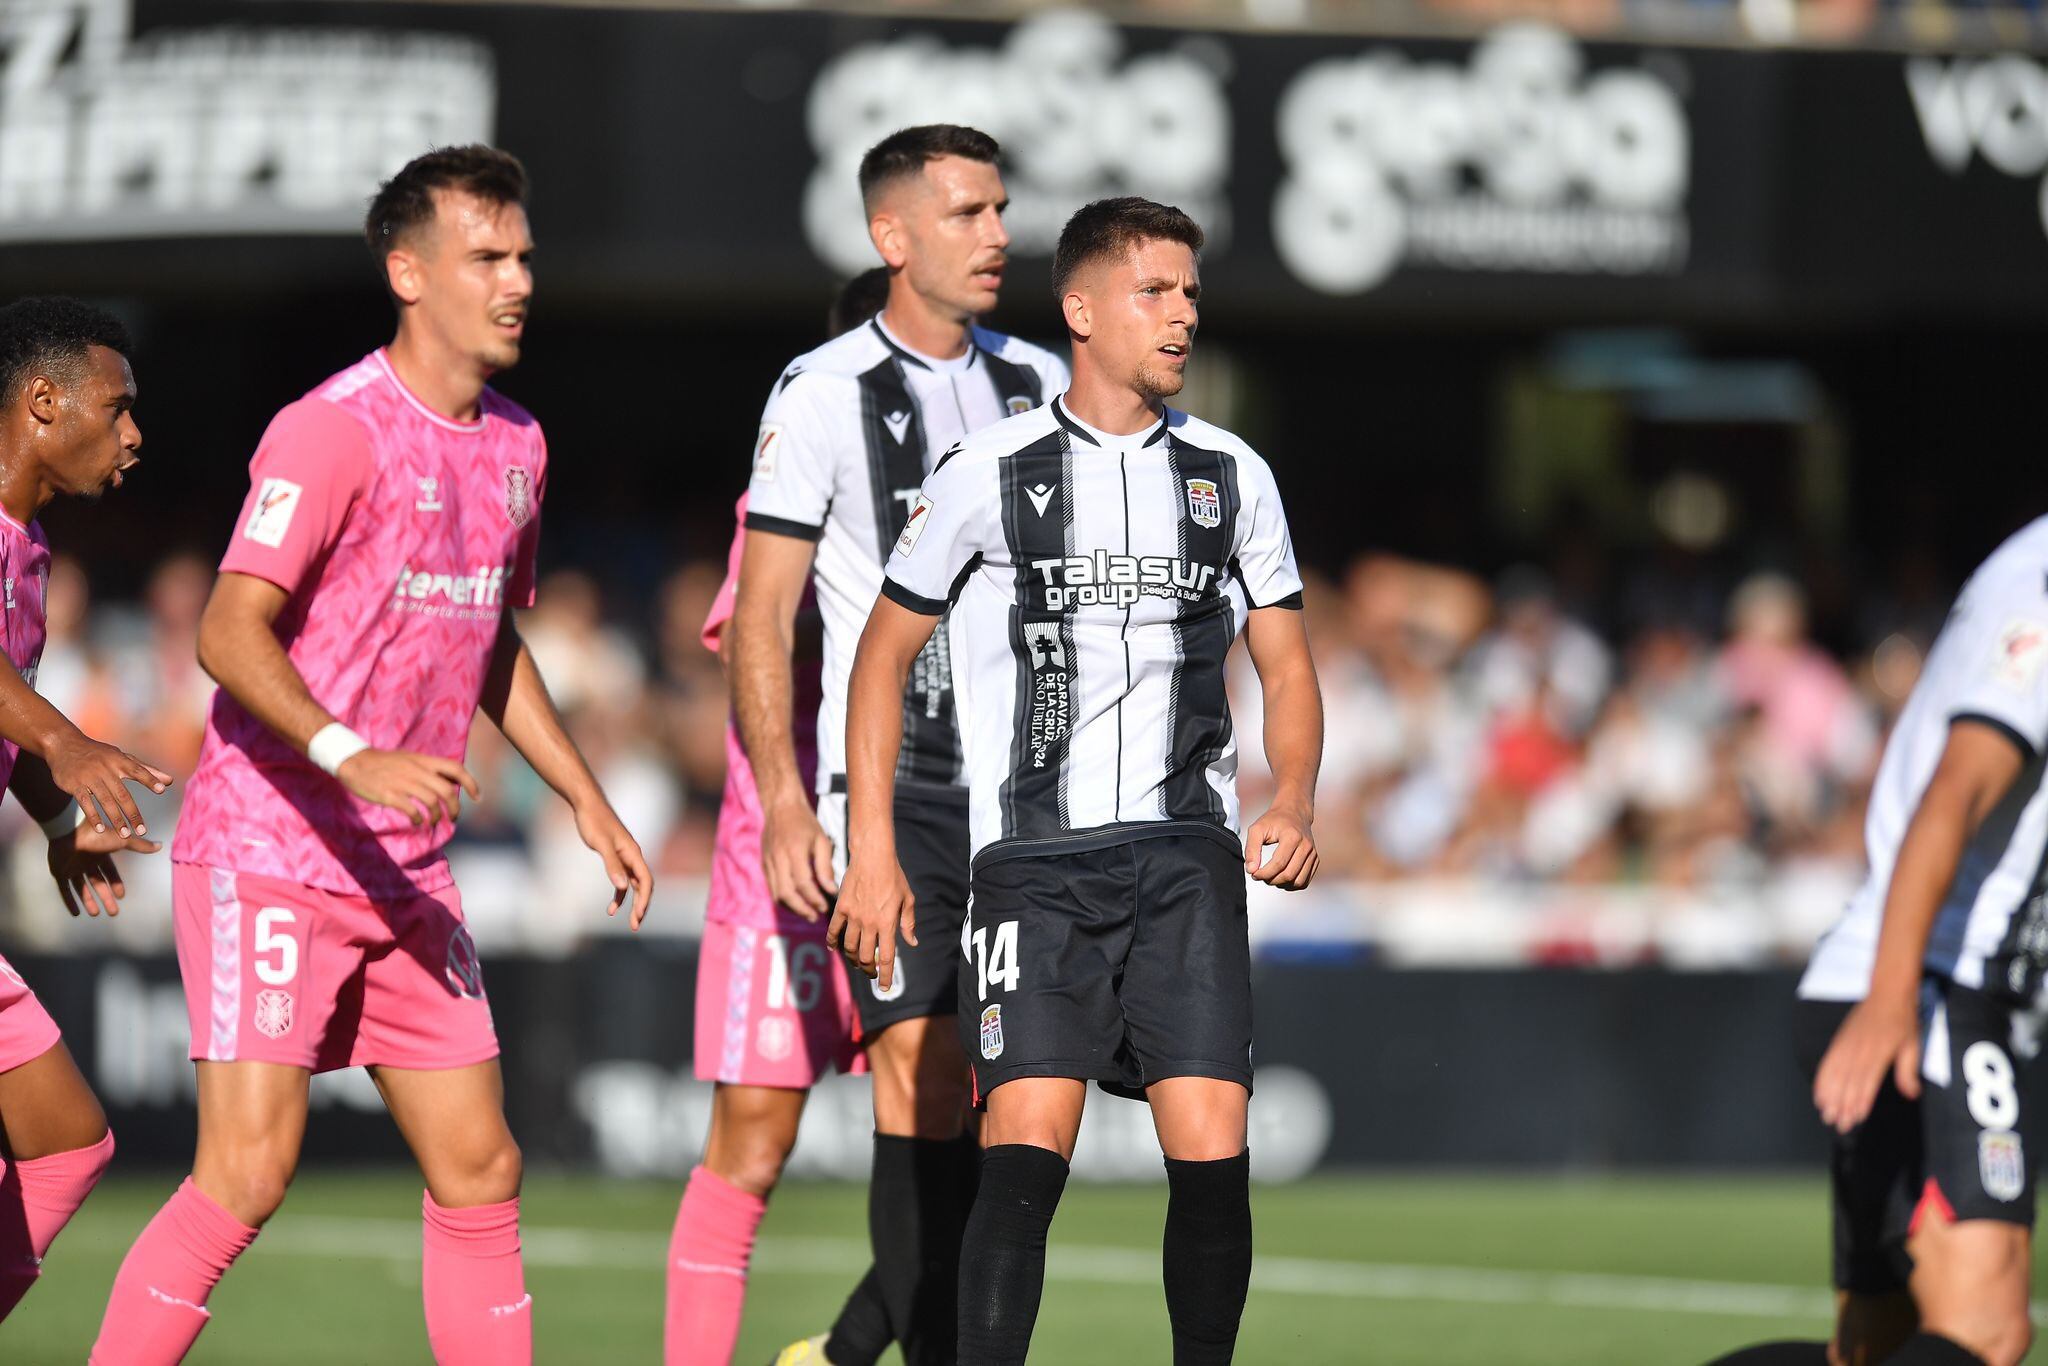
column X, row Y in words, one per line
column 399, row 1240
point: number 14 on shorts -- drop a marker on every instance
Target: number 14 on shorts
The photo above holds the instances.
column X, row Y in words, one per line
column 996, row 963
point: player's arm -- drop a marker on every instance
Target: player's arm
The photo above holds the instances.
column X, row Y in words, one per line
column 239, row 649
column 79, row 856
column 1277, row 639
column 760, row 641
column 516, row 699
column 94, row 775
column 1882, row 1033
column 876, row 899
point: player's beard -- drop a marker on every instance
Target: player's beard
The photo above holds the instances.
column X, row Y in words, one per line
column 1158, row 383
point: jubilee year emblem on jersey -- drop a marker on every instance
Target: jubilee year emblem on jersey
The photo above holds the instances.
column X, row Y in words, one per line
column 1204, row 507
column 518, row 495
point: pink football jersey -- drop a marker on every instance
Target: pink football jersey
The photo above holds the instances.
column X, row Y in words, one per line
column 402, row 537
column 739, row 889
column 24, row 572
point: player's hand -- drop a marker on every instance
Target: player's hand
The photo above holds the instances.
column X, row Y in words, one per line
column 426, row 788
column 624, row 864
column 96, row 776
column 1879, row 1036
column 873, row 905
column 82, row 863
column 1293, row 860
column 796, row 856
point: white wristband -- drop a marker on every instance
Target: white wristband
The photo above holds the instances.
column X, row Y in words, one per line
column 65, row 821
column 334, row 745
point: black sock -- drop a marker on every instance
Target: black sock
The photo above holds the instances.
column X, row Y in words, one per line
column 861, row 1333
column 1771, row 1354
column 915, row 1218
column 1932, row 1349
column 1207, row 1258
column 1002, row 1258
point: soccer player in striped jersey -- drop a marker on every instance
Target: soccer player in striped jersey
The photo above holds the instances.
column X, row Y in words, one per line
column 1921, row 1012
column 849, row 433
column 1097, row 557
column 774, row 1016
column 360, row 623
column 65, row 427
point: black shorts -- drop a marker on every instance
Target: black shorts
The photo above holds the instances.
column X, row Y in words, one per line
column 932, row 845
column 1965, row 1149
column 1123, row 965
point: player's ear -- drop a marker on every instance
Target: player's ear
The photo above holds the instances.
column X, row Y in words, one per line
column 885, row 230
column 402, row 274
column 43, row 398
column 1080, row 319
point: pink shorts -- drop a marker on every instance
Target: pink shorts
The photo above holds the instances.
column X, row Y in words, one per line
column 26, row 1029
column 279, row 972
column 773, row 1008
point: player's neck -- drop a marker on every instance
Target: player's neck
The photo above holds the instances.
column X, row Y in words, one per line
column 915, row 323
column 23, row 490
column 1110, row 407
column 445, row 380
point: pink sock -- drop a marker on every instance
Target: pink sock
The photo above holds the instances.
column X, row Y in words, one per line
column 47, row 1191
column 707, row 1270
column 474, row 1286
column 159, row 1301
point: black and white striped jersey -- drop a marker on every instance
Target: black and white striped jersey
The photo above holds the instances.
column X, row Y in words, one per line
column 848, row 436
column 1096, row 583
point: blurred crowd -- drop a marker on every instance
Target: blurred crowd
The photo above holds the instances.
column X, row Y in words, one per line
column 1478, row 733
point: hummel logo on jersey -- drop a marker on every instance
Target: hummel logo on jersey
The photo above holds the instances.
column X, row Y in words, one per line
column 1040, row 496
column 9, row 581
column 430, row 495
column 898, row 424
column 1106, row 580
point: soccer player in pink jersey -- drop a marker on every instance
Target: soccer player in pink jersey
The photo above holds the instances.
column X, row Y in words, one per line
column 358, row 623
column 65, row 427
column 774, row 1013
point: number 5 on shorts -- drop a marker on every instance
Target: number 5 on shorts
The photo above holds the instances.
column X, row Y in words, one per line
column 999, row 965
column 268, row 941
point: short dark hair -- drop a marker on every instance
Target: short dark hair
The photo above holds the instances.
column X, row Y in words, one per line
column 405, row 203
column 51, row 335
column 859, row 299
column 1114, row 227
column 905, row 152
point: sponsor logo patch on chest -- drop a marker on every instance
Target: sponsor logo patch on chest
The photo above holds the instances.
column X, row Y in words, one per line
column 1106, row 580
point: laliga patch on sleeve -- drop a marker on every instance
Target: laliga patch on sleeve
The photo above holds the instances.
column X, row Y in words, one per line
column 767, row 446
column 2022, row 648
column 914, row 528
column 276, row 501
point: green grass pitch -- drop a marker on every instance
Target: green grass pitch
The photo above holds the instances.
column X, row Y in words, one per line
column 1368, row 1269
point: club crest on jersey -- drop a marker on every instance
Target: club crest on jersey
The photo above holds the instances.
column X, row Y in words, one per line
column 2001, row 1163
column 518, row 495
column 465, row 973
column 273, row 1013
column 992, row 1032
column 1018, row 404
column 1204, row 507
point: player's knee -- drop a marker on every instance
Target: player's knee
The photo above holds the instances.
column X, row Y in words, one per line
column 497, row 1171
column 250, row 1184
column 753, row 1165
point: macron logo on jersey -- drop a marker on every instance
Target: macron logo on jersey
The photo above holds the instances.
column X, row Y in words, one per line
column 898, row 424
column 467, row 595
column 276, row 501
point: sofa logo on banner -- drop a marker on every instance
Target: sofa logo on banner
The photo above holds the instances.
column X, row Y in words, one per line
column 1519, row 160
column 197, row 132
column 1996, row 108
column 1076, row 118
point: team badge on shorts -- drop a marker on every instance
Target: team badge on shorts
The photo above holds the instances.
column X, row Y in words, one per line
column 465, row 973
column 775, row 1038
column 1018, row 404
column 518, row 495
column 2001, row 1164
column 273, row 1013
column 992, row 1032
column 895, row 988
column 1204, row 507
